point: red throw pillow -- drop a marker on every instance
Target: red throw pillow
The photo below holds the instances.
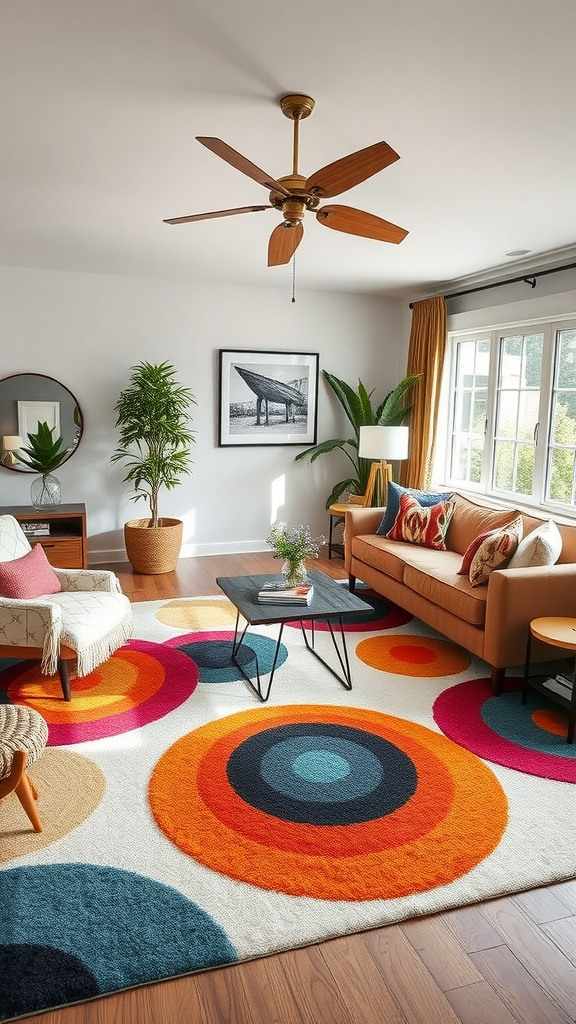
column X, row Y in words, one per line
column 471, row 551
column 29, row 576
column 419, row 525
column 495, row 552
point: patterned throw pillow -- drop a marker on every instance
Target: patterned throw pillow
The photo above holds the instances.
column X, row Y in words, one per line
column 29, row 576
column 471, row 551
column 418, row 524
column 495, row 552
column 395, row 492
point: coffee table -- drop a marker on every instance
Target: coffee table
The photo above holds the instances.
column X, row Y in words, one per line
column 331, row 602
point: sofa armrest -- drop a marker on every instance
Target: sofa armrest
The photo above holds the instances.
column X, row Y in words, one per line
column 359, row 521
column 515, row 597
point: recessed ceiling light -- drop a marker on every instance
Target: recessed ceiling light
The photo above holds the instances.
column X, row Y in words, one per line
column 517, row 252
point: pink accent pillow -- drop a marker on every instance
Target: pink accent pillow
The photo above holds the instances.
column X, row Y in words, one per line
column 422, row 525
column 495, row 552
column 29, row 576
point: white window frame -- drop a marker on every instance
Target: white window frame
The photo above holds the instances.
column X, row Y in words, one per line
column 549, row 327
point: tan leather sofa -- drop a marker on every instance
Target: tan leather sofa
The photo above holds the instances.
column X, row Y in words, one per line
column 490, row 621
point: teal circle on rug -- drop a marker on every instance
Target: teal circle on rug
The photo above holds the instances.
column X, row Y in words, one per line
column 211, row 652
column 528, row 737
column 86, row 930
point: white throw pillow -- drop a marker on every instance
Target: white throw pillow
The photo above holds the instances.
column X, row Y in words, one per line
column 541, row 547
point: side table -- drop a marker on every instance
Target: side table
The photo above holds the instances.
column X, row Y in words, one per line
column 337, row 517
column 558, row 632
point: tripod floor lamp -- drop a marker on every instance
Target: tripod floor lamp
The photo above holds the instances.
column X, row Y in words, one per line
column 384, row 445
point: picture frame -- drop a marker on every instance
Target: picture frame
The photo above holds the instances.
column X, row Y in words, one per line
column 267, row 398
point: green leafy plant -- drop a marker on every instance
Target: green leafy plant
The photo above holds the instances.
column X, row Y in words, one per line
column 293, row 543
column 391, row 412
column 153, row 413
column 44, row 452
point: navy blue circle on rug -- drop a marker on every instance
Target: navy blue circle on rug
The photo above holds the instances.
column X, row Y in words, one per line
column 211, row 650
column 321, row 774
column 383, row 614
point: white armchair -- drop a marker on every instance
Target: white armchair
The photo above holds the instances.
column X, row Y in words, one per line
column 86, row 620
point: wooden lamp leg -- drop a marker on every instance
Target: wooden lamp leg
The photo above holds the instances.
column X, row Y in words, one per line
column 377, row 487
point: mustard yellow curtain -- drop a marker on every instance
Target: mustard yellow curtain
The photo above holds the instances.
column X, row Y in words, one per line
column 426, row 356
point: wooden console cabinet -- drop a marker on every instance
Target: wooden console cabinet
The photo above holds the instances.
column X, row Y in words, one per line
column 66, row 546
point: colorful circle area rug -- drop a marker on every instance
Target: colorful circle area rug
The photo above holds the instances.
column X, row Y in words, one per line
column 80, row 930
column 383, row 615
column 211, row 652
column 529, row 737
column 328, row 802
column 413, row 655
column 139, row 684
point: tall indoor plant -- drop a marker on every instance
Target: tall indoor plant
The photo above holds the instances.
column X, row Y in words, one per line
column 153, row 415
column 357, row 405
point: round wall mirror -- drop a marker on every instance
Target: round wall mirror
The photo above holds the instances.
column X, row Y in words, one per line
column 27, row 399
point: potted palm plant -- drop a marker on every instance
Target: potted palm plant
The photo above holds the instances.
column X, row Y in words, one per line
column 153, row 415
column 357, row 405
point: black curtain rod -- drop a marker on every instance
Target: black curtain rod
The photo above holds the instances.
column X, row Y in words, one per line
column 526, row 278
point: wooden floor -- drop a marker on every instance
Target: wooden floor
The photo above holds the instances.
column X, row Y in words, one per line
column 507, row 961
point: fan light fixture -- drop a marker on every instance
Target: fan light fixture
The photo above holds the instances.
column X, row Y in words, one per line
column 294, row 195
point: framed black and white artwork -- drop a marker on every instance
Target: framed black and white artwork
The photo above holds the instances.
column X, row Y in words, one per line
column 267, row 398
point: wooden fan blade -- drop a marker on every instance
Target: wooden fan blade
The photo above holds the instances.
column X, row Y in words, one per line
column 240, row 162
column 356, row 222
column 216, row 213
column 351, row 170
column 283, row 243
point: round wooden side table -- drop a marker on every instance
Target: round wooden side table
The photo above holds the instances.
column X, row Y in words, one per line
column 560, row 632
column 337, row 516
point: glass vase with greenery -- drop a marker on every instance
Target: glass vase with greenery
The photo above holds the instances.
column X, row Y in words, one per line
column 358, row 407
column 294, row 544
column 43, row 454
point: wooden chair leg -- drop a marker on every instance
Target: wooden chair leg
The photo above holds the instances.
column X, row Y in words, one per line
column 27, row 795
column 64, row 673
column 498, row 675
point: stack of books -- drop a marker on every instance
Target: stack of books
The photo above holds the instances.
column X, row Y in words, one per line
column 278, row 593
column 36, row 529
column 561, row 683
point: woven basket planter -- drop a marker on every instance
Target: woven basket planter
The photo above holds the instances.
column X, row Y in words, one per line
column 153, row 549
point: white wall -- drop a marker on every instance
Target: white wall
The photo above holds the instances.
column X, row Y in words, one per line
column 88, row 330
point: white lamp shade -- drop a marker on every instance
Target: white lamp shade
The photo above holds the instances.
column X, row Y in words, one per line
column 11, row 442
column 384, row 443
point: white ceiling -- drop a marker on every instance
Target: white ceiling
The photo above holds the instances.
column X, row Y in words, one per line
column 102, row 100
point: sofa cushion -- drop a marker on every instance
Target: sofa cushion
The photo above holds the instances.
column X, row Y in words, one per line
column 541, row 547
column 469, row 520
column 419, row 525
column 440, row 584
column 385, row 555
column 495, row 552
column 395, row 492
column 28, row 577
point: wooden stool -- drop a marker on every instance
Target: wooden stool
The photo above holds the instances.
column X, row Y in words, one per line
column 337, row 516
column 23, row 736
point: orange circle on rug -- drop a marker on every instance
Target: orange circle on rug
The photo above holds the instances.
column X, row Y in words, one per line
column 328, row 802
column 410, row 655
column 201, row 613
column 551, row 720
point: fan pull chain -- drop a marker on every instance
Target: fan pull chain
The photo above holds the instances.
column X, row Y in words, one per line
column 294, row 278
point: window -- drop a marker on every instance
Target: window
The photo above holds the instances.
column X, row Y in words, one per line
column 512, row 420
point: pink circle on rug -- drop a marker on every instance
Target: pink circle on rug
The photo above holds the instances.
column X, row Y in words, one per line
column 140, row 683
column 502, row 730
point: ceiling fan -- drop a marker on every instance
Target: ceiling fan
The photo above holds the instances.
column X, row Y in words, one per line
column 293, row 194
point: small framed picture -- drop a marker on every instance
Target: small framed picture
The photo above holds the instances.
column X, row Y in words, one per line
column 267, row 398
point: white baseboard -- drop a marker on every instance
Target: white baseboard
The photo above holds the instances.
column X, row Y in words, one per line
column 188, row 551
